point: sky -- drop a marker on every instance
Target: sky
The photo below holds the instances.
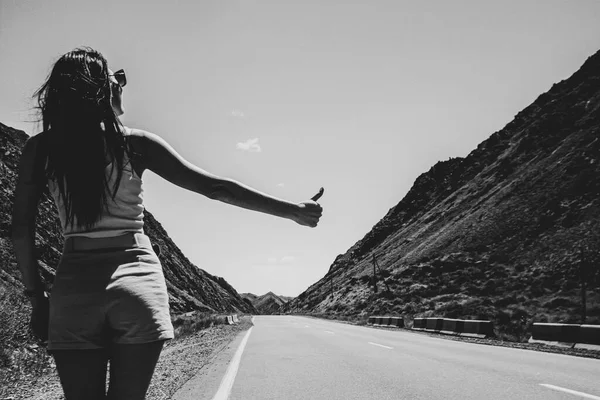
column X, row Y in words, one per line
column 287, row 96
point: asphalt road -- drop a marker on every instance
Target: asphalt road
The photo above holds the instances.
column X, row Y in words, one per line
column 293, row 358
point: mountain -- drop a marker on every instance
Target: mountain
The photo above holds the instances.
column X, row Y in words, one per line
column 268, row 303
column 249, row 296
column 190, row 288
column 508, row 233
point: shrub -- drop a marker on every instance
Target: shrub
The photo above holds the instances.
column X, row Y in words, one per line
column 561, row 302
column 187, row 325
column 14, row 314
column 506, row 300
column 361, row 305
column 451, row 309
column 18, row 355
column 593, row 311
column 384, row 294
column 411, row 308
column 384, row 273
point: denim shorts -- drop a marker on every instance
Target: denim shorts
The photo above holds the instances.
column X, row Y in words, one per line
column 109, row 295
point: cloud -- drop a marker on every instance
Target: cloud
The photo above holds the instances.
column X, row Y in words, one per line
column 237, row 114
column 280, row 184
column 283, row 260
column 250, row 145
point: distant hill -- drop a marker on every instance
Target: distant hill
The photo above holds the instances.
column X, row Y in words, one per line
column 190, row 288
column 268, row 303
column 498, row 235
column 248, row 296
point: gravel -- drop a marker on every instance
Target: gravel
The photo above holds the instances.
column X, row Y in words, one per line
column 184, row 358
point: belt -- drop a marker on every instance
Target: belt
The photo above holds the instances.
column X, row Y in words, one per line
column 82, row 243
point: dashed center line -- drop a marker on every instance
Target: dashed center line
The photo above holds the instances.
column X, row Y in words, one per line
column 329, row 332
column 576, row 393
column 380, row 345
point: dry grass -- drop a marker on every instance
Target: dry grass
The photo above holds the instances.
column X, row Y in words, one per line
column 189, row 324
column 18, row 363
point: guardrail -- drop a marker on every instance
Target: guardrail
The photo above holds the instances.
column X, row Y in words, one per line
column 387, row 321
column 566, row 335
column 477, row 329
column 419, row 324
column 231, row 319
column 434, row 324
column 456, row 327
column 452, row 326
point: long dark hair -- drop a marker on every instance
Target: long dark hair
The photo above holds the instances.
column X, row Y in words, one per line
column 81, row 132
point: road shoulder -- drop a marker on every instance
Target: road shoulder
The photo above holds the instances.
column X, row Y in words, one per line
column 194, row 357
column 205, row 383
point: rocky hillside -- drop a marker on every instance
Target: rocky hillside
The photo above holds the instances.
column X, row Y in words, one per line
column 190, row 288
column 507, row 233
column 268, row 303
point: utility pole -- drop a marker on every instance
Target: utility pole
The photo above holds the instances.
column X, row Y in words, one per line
column 374, row 274
column 582, row 276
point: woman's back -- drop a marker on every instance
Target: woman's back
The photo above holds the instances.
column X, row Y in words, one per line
column 124, row 213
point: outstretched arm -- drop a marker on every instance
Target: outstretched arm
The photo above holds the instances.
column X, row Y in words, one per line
column 159, row 157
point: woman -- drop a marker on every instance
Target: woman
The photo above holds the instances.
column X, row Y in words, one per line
column 109, row 299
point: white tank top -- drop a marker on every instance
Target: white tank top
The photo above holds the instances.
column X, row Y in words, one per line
column 124, row 214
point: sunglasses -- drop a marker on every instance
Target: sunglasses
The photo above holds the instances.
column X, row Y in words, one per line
column 120, row 77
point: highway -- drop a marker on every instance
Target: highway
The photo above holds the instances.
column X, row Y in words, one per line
column 293, row 358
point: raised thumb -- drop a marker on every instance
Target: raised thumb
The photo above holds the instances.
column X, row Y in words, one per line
column 318, row 195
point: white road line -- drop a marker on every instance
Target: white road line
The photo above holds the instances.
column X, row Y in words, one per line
column 380, row 345
column 227, row 381
column 576, row 393
column 329, row 332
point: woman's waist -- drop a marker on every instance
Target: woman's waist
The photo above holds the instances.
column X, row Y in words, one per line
column 126, row 240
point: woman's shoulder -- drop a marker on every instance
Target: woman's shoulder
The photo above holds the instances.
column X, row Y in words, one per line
column 136, row 133
column 134, row 136
column 141, row 138
column 37, row 144
column 38, row 137
column 142, row 143
column 32, row 155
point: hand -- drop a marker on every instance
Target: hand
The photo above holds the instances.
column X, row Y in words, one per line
column 309, row 212
column 40, row 314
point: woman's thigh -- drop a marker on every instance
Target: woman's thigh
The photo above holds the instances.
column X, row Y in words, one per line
column 82, row 373
column 131, row 369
